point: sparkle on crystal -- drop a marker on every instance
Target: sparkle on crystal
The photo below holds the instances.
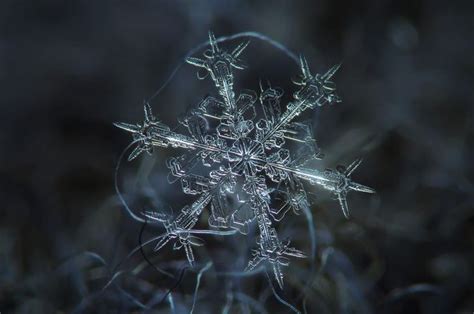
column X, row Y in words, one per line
column 243, row 150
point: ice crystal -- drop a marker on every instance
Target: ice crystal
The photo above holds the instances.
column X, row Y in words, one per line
column 244, row 156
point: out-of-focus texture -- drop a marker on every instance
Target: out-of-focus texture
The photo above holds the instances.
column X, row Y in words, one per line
column 69, row 69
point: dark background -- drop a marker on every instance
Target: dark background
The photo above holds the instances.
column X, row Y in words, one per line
column 69, row 69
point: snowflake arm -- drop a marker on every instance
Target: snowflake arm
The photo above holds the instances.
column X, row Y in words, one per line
column 316, row 90
column 219, row 65
column 337, row 181
column 154, row 133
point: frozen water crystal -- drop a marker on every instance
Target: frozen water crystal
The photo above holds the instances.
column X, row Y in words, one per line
column 244, row 156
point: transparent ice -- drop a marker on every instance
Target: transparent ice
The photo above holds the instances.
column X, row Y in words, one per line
column 246, row 156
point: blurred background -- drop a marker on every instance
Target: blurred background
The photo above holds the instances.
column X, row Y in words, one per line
column 69, row 69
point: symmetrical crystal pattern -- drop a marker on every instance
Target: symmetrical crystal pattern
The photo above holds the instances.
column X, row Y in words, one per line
column 246, row 156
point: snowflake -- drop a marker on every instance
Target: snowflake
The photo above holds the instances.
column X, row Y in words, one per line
column 245, row 158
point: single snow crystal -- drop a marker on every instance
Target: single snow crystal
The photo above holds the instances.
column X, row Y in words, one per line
column 244, row 155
